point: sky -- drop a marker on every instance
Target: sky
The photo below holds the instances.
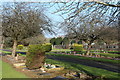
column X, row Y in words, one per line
column 55, row 0
column 55, row 18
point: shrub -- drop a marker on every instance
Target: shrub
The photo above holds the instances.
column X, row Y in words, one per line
column 35, row 56
column 52, row 41
column 77, row 47
column 20, row 47
column 19, row 54
column 73, row 41
column 58, row 41
column 47, row 47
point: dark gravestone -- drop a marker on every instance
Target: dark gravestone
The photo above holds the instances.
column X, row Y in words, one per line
column 44, row 74
column 59, row 78
column 37, row 71
column 3, row 54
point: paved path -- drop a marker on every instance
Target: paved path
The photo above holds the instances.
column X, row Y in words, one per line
column 103, row 65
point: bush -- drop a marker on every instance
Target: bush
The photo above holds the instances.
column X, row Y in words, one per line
column 35, row 56
column 47, row 47
column 77, row 47
column 73, row 41
column 20, row 47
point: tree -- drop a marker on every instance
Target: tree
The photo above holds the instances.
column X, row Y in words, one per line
column 58, row 41
column 109, row 35
column 79, row 42
column 85, row 19
column 65, row 42
column 73, row 41
column 73, row 9
column 21, row 21
column 8, row 42
column 52, row 41
column 38, row 39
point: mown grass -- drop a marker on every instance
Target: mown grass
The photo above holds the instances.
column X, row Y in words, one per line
column 85, row 50
column 7, row 52
column 88, row 58
column 9, row 72
column 89, row 70
column 107, row 54
column 106, row 51
column 74, row 56
column 96, row 52
column 60, row 49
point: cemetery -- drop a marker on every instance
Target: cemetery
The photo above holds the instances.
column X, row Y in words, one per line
column 64, row 40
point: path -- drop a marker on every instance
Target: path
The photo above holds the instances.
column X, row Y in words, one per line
column 103, row 65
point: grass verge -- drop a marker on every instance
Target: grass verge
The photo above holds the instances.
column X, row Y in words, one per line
column 89, row 58
column 89, row 70
column 9, row 72
column 107, row 54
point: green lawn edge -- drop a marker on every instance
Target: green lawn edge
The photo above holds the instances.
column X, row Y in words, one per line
column 9, row 72
column 89, row 70
column 89, row 58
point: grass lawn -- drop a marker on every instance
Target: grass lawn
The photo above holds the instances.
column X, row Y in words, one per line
column 9, row 72
column 7, row 52
column 89, row 58
column 74, row 56
column 108, row 54
column 102, row 54
column 60, row 49
column 86, row 69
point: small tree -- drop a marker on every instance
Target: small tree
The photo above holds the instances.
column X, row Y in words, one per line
column 47, row 46
column 79, row 42
column 66, row 42
column 77, row 47
column 58, row 41
column 52, row 41
column 35, row 56
column 73, row 41
column 20, row 21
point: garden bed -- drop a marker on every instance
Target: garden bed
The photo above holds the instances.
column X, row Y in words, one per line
column 38, row 73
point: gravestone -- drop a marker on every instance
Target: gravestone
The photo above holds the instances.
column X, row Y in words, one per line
column 44, row 74
column 58, row 78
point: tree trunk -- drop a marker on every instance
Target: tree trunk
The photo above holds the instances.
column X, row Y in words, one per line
column 14, row 48
column 88, row 49
column 1, row 43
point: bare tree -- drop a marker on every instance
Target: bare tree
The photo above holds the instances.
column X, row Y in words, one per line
column 84, row 20
column 73, row 9
column 21, row 21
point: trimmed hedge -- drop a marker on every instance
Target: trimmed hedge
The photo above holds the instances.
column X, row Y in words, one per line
column 20, row 47
column 35, row 56
column 77, row 47
column 47, row 47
